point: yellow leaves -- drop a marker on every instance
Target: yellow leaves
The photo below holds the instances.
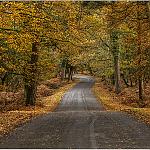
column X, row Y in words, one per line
column 2, row 70
column 124, row 27
column 34, row 20
column 11, row 38
column 20, row 42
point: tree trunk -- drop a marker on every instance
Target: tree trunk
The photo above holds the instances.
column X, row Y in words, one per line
column 117, row 74
column 125, row 80
column 131, row 82
column 62, row 74
column 140, row 88
column 139, row 46
column 65, row 73
column 70, row 73
column 4, row 78
column 115, row 52
column 148, row 10
column 141, row 92
column 31, row 77
column 30, row 93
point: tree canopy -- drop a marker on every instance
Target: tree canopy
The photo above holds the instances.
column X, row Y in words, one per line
column 40, row 40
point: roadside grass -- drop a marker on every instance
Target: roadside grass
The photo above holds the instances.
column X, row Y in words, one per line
column 111, row 102
column 14, row 118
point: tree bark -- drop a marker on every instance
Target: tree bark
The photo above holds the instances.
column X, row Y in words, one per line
column 125, row 80
column 30, row 93
column 148, row 10
column 70, row 73
column 139, row 47
column 140, row 88
column 117, row 74
column 62, row 73
column 141, row 92
column 31, row 77
column 131, row 82
column 115, row 52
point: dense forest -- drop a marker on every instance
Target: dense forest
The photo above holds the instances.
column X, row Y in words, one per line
column 44, row 40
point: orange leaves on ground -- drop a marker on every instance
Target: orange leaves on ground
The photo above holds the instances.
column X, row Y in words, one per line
column 121, row 103
column 11, row 119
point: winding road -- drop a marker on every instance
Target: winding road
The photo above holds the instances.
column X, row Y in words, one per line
column 80, row 121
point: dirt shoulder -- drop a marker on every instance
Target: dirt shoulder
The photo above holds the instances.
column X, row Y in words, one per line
column 13, row 118
column 113, row 102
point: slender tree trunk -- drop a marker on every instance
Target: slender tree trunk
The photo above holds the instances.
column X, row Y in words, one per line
column 141, row 92
column 117, row 74
column 139, row 46
column 31, row 77
column 70, row 73
column 62, row 73
column 65, row 73
column 148, row 10
column 125, row 80
column 140, row 88
column 131, row 82
column 4, row 78
column 115, row 52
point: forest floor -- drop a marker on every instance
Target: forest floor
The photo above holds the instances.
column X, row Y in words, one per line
column 126, row 101
column 15, row 113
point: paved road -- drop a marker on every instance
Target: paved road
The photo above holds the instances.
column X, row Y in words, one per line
column 80, row 122
column 80, row 98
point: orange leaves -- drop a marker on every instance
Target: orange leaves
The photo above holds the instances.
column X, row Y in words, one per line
column 11, row 119
column 127, row 101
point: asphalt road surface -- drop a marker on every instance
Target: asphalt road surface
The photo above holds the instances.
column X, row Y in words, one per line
column 80, row 121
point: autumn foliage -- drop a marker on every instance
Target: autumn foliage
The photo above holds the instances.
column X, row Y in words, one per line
column 43, row 40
